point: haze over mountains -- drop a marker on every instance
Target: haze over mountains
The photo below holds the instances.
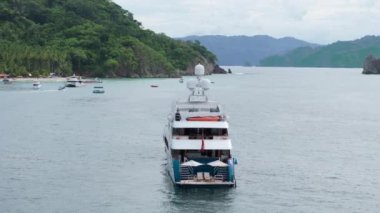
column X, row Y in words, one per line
column 263, row 50
column 247, row 50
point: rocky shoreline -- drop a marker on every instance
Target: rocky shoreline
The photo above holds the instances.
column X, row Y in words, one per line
column 219, row 70
column 210, row 69
column 371, row 65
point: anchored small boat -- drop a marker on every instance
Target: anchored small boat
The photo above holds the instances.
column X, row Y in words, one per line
column 74, row 81
column 98, row 89
column 154, row 86
column 7, row 81
column 196, row 140
column 36, row 85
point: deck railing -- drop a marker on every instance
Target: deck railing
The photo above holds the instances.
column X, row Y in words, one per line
column 187, row 173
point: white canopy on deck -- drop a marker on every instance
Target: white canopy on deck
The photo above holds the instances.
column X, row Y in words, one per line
column 191, row 163
column 218, row 163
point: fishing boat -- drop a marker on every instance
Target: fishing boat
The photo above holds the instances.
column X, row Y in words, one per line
column 74, row 81
column 196, row 139
column 98, row 89
column 36, row 85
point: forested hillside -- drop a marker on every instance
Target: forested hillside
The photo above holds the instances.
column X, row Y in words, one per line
column 87, row 37
column 338, row 54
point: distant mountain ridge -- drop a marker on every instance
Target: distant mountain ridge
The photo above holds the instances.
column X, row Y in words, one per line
column 338, row 54
column 247, row 50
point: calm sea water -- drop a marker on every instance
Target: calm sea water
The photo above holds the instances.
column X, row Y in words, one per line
column 307, row 140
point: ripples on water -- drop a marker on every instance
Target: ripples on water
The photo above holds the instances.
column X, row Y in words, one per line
column 307, row 140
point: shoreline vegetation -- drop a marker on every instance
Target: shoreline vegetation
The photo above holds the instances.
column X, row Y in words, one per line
column 217, row 70
column 89, row 38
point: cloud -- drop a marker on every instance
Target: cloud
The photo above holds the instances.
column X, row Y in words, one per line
column 322, row 21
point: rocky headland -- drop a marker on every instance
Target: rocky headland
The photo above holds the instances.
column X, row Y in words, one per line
column 371, row 65
column 219, row 70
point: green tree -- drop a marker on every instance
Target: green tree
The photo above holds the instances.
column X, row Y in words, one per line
column 95, row 38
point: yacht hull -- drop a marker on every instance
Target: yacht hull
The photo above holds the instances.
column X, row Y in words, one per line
column 204, row 184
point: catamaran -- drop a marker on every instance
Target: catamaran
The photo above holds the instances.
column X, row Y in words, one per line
column 196, row 139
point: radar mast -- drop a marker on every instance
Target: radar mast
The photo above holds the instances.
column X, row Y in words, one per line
column 199, row 85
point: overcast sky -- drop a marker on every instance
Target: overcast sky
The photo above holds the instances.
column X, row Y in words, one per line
column 319, row 21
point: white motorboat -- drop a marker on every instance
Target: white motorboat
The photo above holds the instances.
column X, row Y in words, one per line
column 74, row 81
column 196, row 139
column 36, row 84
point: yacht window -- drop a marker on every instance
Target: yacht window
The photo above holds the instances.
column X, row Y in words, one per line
column 196, row 154
column 215, row 109
column 191, row 154
column 196, row 133
column 178, row 131
column 219, row 132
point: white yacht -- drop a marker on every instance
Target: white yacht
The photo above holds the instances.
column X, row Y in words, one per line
column 74, row 81
column 196, row 139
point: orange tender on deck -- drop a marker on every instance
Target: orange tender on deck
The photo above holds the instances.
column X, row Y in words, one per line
column 204, row 118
